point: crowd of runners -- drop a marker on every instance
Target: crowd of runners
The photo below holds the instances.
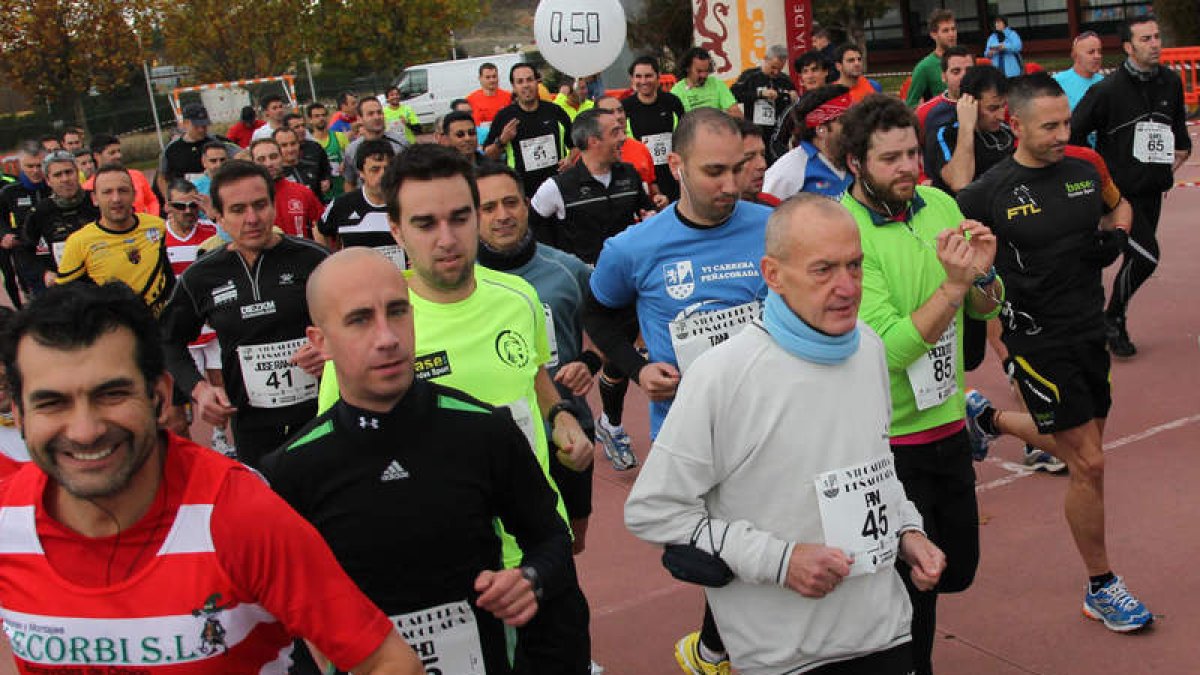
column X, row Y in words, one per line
column 392, row 342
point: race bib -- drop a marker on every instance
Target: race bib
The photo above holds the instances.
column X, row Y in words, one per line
column 1153, row 143
column 271, row 380
column 523, row 416
column 860, row 512
column 335, row 168
column 764, row 113
column 393, row 253
column 659, row 146
column 932, row 376
column 553, row 362
column 58, row 247
column 539, row 153
column 445, row 638
column 694, row 334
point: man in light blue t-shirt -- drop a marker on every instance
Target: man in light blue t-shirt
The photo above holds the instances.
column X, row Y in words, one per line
column 1085, row 72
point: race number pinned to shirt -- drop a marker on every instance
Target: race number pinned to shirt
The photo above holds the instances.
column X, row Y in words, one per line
column 550, row 336
column 860, row 512
column 445, row 638
column 270, row 378
column 1153, row 143
column 692, row 334
column 539, row 153
column 522, row 414
column 932, row 376
column 659, row 146
column 764, row 113
column 58, row 248
column 394, row 253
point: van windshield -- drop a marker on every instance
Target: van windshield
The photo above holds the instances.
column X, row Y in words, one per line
column 414, row 82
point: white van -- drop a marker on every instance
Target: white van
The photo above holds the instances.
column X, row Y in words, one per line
column 428, row 88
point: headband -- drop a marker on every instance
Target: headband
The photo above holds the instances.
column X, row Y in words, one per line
column 828, row 111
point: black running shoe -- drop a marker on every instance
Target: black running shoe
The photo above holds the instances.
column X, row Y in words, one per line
column 1118, row 338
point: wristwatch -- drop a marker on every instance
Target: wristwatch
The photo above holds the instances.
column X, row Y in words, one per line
column 534, row 580
column 562, row 406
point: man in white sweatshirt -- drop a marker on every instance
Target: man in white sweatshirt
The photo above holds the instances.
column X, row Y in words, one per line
column 775, row 458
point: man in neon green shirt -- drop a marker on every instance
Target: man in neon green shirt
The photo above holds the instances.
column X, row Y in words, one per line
column 924, row 265
column 698, row 90
column 397, row 115
column 577, row 101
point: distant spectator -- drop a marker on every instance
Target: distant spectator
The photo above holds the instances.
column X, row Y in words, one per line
column 927, row 76
column 1004, row 48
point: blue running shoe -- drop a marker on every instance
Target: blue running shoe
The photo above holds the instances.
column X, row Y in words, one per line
column 976, row 404
column 618, row 447
column 1117, row 608
column 1040, row 460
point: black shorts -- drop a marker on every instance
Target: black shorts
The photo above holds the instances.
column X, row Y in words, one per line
column 894, row 661
column 1065, row 386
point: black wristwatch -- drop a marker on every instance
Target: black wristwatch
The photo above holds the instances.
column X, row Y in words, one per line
column 562, row 406
column 534, row 580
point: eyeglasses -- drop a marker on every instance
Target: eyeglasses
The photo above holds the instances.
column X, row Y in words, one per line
column 180, row 206
column 464, row 134
column 1085, row 35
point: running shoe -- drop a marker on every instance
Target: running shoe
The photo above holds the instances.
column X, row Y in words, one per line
column 618, row 447
column 976, row 404
column 1116, row 607
column 1039, row 460
column 1117, row 337
column 687, row 655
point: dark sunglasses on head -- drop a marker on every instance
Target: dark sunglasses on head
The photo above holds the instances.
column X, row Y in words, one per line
column 180, row 206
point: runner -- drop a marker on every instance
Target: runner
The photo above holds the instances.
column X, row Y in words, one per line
column 212, row 156
column 293, row 165
column 696, row 89
column 86, row 163
column 251, row 292
column 312, row 156
column 530, row 135
column 442, row 486
column 242, row 131
column 182, row 156
column 68, row 208
column 850, row 73
column 273, row 110
column 653, row 115
column 766, row 92
column 1140, row 123
column 400, row 117
column 754, row 150
column 926, row 82
column 691, row 273
column 484, row 333
column 370, row 114
column 634, row 152
column 141, row 550
column 1086, row 61
column 345, row 119
column 184, row 234
column 1055, row 234
column 766, row 428
column 297, row 209
column 22, row 270
column 457, row 131
column 13, row 452
column 489, row 99
column 506, row 244
column 359, row 218
column 925, row 267
column 107, row 150
column 808, row 167
column 951, row 164
column 955, row 62
column 576, row 99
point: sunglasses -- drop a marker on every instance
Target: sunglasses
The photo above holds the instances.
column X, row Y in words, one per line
column 180, row 206
column 464, row 134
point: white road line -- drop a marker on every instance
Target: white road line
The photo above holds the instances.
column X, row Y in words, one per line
column 1019, row 471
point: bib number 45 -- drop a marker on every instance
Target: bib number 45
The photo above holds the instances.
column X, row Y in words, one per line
column 875, row 525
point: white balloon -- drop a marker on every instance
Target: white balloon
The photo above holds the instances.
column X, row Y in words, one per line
column 580, row 37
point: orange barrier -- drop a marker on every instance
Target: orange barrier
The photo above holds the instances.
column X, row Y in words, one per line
column 1186, row 62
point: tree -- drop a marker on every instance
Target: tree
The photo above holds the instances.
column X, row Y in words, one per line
column 664, row 25
column 386, row 35
column 222, row 40
column 1181, row 20
column 59, row 50
column 851, row 16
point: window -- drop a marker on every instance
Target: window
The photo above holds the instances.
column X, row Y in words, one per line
column 1106, row 16
column 414, row 83
column 1032, row 19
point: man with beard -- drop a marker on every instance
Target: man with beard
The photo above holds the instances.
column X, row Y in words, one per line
column 697, row 89
column 924, row 268
column 926, row 77
column 691, row 274
column 850, row 68
column 755, row 152
column 121, row 533
column 1056, row 234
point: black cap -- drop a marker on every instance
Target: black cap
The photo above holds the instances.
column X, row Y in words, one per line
column 195, row 113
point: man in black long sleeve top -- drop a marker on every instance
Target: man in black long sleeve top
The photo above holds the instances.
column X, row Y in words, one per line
column 404, row 478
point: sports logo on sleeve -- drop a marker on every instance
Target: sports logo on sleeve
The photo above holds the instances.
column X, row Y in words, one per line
column 679, row 279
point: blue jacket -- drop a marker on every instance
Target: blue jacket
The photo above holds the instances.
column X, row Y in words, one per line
column 1008, row 60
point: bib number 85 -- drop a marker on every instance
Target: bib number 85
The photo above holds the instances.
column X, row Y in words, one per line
column 943, row 368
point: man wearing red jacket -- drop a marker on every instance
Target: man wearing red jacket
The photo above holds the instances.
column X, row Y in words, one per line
column 297, row 209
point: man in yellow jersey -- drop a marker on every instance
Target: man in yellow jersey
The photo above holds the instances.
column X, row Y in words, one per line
column 484, row 332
